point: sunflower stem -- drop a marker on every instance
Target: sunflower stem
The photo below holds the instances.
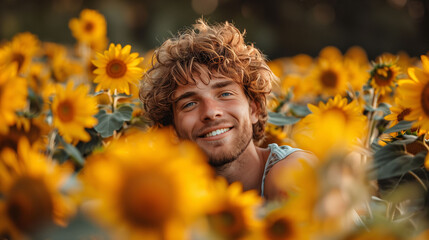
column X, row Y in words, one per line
column 371, row 119
column 424, row 141
column 115, row 100
column 419, row 180
column 51, row 144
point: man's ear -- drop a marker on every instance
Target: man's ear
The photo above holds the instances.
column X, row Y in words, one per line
column 254, row 111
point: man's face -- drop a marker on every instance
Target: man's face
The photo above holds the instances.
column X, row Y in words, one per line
column 217, row 116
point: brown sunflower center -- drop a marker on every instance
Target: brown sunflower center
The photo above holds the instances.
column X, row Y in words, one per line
column 116, row 68
column 329, row 79
column 147, row 201
column 19, row 58
column 66, row 111
column 404, row 113
column 425, row 99
column 89, row 26
column 29, row 204
column 383, row 76
column 280, row 229
column 229, row 222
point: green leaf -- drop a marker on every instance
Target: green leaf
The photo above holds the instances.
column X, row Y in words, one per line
column 72, row 151
column 299, row 110
column 392, row 160
column 400, row 126
column 109, row 122
column 280, row 119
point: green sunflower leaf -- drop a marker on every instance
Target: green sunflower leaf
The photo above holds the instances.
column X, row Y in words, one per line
column 280, row 119
column 400, row 126
column 72, row 151
column 109, row 122
column 392, row 160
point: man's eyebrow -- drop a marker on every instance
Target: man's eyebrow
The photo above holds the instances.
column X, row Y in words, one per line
column 184, row 95
column 222, row 84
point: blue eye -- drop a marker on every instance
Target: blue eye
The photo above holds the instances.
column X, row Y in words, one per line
column 226, row 94
column 189, row 104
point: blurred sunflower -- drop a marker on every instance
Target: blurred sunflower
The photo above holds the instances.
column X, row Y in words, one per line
column 38, row 77
column 29, row 42
column 117, row 68
column 53, row 50
column 13, row 96
column 414, row 94
column 329, row 78
column 233, row 212
column 357, row 54
column 331, row 54
column 281, row 224
column 20, row 51
column 30, row 188
column 331, row 125
column 357, row 74
column 89, row 27
column 73, row 110
column 139, row 190
column 384, row 76
column 63, row 68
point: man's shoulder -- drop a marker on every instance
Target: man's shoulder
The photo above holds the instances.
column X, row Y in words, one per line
column 292, row 160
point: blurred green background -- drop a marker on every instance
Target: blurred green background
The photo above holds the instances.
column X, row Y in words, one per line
column 279, row 28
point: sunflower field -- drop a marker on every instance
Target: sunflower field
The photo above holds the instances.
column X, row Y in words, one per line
column 78, row 160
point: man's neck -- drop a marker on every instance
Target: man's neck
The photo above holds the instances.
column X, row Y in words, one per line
column 247, row 168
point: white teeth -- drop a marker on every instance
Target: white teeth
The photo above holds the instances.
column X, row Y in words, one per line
column 216, row 132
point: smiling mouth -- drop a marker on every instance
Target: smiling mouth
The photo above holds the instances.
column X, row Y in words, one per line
column 216, row 132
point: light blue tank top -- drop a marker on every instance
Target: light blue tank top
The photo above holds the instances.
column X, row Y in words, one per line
column 277, row 153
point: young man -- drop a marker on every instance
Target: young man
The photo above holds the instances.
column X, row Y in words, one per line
column 211, row 87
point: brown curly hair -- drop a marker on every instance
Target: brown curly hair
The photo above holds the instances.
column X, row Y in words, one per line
column 220, row 48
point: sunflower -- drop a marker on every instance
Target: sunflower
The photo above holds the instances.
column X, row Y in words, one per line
column 357, row 73
column 64, row 68
column 281, row 224
column 53, row 50
column 28, row 41
column 13, row 96
column 357, row 54
column 140, row 191
column 414, row 94
column 331, row 54
column 332, row 124
column 329, row 77
column 73, row 111
column 38, row 77
column 30, row 185
column 232, row 215
column 398, row 113
column 384, row 76
column 16, row 52
column 117, row 68
column 89, row 27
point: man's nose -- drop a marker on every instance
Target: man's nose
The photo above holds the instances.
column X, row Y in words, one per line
column 210, row 110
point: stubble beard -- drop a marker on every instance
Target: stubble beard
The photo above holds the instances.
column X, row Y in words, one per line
column 224, row 158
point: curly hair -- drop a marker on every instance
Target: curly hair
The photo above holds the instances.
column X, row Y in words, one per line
column 218, row 48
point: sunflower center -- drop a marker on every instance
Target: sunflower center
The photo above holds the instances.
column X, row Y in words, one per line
column 19, row 59
column 116, row 68
column 29, row 204
column 66, row 111
column 280, row 229
column 146, row 201
column 89, row 26
column 383, row 76
column 404, row 113
column 229, row 222
column 425, row 99
column 329, row 79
